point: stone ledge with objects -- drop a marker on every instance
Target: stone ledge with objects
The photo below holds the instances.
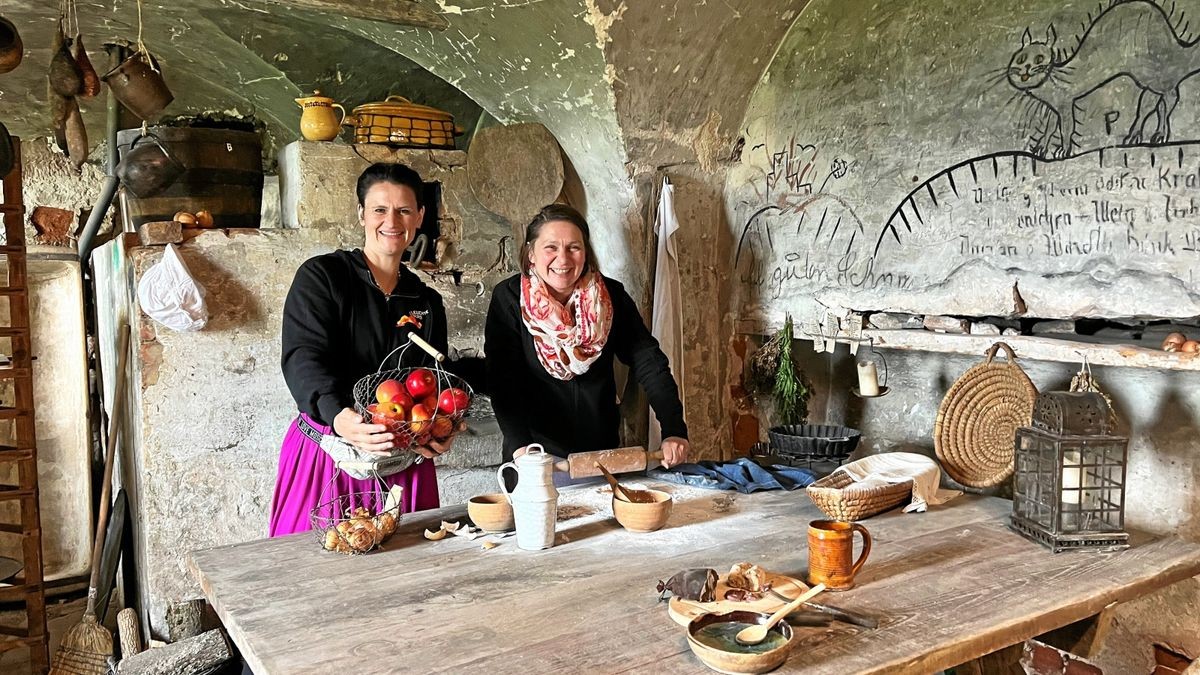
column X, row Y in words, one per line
column 1160, row 344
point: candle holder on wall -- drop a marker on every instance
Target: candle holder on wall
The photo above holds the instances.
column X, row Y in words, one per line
column 1069, row 478
column 869, row 385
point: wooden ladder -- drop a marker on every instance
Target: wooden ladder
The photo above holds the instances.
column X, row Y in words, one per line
column 27, row 587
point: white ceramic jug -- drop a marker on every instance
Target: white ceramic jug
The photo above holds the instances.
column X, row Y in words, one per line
column 535, row 499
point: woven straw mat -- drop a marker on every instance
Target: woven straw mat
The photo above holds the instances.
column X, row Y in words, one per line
column 976, row 424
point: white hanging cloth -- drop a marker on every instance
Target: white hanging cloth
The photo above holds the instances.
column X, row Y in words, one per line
column 666, row 316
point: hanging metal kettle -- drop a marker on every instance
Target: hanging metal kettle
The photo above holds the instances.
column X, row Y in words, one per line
column 147, row 167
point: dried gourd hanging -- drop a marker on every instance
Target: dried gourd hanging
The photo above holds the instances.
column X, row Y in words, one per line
column 91, row 81
column 66, row 78
column 60, row 109
column 76, row 133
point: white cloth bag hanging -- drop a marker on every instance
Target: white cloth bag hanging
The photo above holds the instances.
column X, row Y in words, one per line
column 665, row 322
column 169, row 295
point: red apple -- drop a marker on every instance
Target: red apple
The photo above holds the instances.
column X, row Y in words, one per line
column 403, row 399
column 442, row 428
column 430, row 402
column 419, row 418
column 388, row 390
column 420, row 383
column 387, row 413
column 453, row 401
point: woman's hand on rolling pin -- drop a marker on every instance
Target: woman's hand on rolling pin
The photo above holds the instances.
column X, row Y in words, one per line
column 674, row 450
column 435, row 447
column 366, row 437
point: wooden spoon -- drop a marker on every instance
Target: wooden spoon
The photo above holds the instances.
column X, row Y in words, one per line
column 752, row 635
column 612, row 480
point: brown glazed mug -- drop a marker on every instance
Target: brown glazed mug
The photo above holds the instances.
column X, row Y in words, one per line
column 831, row 553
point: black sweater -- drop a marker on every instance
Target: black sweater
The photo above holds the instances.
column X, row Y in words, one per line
column 338, row 326
column 579, row 414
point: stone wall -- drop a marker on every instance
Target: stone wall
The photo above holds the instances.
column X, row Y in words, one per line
column 931, row 175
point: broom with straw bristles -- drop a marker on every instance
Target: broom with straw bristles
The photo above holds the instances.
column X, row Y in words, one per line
column 85, row 648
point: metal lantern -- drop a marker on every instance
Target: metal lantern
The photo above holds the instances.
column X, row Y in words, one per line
column 1069, row 477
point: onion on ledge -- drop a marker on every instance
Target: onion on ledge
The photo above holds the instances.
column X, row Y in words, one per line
column 1174, row 342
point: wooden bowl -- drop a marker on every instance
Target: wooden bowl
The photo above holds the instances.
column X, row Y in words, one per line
column 735, row 662
column 491, row 512
column 646, row 517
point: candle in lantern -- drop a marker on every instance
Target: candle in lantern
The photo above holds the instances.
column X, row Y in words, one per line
column 1072, row 478
column 868, row 381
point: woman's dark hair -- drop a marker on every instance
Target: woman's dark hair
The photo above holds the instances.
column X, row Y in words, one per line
column 399, row 174
column 551, row 213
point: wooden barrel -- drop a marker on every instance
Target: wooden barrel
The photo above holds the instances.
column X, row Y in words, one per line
column 222, row 174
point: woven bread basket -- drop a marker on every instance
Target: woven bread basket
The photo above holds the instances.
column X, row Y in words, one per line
column 976, row 425
column 840, row 498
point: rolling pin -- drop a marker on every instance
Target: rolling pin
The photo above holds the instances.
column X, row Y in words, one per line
column 617, row 460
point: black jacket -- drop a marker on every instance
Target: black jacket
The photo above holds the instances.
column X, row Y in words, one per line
column 579, row 414
column 338, row 326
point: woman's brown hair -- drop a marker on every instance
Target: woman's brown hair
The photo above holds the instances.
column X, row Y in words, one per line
column 550, row 213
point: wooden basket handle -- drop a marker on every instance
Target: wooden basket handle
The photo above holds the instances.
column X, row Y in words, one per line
column 1008, row 351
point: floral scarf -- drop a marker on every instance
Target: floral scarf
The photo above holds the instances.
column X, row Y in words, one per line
column 567, row 338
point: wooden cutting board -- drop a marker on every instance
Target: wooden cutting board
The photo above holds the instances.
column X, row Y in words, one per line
column 683, row 611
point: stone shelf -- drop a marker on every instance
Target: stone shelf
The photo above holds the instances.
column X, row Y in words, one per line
column 1037, row 348
column 1066, row 349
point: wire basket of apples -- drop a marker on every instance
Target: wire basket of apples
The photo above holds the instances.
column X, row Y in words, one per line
column 420, row 404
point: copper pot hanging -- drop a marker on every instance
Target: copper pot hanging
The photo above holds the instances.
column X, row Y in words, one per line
column 11, row 48
column 139, row 86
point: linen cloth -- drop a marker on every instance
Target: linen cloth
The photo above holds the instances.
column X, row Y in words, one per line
column 897, row 467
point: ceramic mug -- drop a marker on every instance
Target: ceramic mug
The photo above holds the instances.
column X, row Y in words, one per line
column 831, row 553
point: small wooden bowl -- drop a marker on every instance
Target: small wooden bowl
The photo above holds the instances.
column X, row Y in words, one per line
column 733, row 662
column 491, row 512
column 644, row 517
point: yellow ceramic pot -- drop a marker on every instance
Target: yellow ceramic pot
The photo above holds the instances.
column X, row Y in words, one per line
column 318, row 121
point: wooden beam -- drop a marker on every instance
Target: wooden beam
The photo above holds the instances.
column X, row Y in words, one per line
column 399, row 12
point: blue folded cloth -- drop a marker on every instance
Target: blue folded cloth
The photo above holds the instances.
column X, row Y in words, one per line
column 744, row 475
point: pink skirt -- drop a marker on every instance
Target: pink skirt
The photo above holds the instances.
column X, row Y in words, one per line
column 304, row 482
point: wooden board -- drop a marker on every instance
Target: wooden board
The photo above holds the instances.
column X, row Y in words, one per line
column 514, row 171
column 948, row 585
column 683, row 611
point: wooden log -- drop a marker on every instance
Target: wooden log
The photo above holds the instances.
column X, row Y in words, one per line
column 398, row 12
column 127, row 628
column 185, row 619
column 194, row 655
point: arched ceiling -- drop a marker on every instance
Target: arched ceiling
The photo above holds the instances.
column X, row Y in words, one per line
column 624, row 86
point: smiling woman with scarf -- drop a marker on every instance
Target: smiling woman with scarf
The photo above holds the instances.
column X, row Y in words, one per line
column 551, row 335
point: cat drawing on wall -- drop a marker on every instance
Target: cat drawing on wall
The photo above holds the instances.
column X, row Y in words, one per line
column 1131, row 38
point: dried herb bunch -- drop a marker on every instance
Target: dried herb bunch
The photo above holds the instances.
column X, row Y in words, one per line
column 773, row 372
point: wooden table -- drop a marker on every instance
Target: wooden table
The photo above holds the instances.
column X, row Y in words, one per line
column 950, row 585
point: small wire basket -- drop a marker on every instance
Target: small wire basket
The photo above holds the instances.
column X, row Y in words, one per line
column 356, row 522
column 440, row 424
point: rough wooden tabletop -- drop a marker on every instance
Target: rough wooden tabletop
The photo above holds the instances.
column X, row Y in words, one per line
column 949, row 585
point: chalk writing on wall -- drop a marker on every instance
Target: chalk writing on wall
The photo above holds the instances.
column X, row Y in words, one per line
column 1095, row 183
column 1134, row 40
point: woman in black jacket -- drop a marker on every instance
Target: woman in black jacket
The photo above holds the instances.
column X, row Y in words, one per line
column 551, row 335
column 342, row 317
